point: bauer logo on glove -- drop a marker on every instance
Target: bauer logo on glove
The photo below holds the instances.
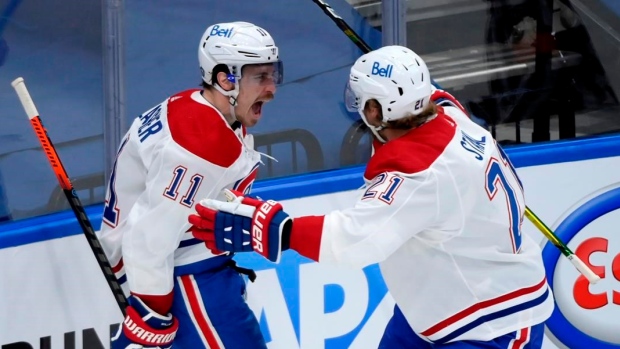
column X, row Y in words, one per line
column 261, row 220
column 242, row 224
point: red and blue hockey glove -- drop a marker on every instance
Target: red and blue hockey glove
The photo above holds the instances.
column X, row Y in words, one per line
column 242, row 224
column 143, row 328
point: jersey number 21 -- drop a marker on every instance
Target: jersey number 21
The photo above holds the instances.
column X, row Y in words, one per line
column 501, row 176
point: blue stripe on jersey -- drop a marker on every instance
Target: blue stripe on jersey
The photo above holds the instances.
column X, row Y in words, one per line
column 122, row 279
column 496, row 315
column 203, row 266
column 190, row 242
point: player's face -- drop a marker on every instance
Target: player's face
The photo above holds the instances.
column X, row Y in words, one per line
column 256, row 87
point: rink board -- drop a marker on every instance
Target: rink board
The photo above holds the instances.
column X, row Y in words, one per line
column 52, row 294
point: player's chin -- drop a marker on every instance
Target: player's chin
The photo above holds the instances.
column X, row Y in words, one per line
column 250, row 119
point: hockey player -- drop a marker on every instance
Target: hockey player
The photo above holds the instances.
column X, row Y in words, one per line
column 192, row 145
column 441, row 214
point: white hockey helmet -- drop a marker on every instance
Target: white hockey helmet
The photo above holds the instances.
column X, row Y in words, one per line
column 393, row 75
column 236, row 44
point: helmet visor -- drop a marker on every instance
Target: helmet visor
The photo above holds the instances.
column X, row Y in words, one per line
column 351, row 101
column 263, row 73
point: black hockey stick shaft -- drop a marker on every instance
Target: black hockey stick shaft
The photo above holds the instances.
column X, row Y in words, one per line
column 69, row 191
column 548, row 233
column 348, row 31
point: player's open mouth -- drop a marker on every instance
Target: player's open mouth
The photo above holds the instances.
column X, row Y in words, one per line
column 257, row 108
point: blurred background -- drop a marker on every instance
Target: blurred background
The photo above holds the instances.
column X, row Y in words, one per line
column 530, row 71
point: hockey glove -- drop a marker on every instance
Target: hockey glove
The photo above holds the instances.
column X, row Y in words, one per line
column 243, row 224
column 145, row 329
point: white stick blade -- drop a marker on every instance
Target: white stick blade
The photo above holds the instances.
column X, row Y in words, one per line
column 584, row 269
column 24, row 97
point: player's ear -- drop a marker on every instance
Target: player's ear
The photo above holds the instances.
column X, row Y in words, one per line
column 372, row 111
column 224, row 82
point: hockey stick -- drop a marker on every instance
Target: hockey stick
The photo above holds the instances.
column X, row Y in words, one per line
column 357, row 40
column 567, row 252
column 548, row 233
column 63, row 179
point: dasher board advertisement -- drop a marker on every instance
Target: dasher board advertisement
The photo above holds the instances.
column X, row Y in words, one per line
column 52, row 294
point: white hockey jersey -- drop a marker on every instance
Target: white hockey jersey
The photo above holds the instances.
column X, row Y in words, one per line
column 442, row 215
column 180, row 150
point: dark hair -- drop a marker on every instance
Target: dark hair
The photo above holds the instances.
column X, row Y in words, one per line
column 220, row 68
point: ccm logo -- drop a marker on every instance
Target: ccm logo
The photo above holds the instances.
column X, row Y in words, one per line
column 581, row 291
column 260, row 219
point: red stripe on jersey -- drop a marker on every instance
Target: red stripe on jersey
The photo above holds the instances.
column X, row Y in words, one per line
column 439, row 94
column 244, row 184
column 481, row 305
column 201, row 130
column 415, row 151
column 523, row 336
column 200, row 317
column 118, row 267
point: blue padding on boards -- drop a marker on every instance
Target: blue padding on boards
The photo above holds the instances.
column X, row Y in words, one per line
column 63, row 224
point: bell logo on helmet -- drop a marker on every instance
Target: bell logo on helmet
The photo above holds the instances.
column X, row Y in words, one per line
column 224, row 32
column 384, row 72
